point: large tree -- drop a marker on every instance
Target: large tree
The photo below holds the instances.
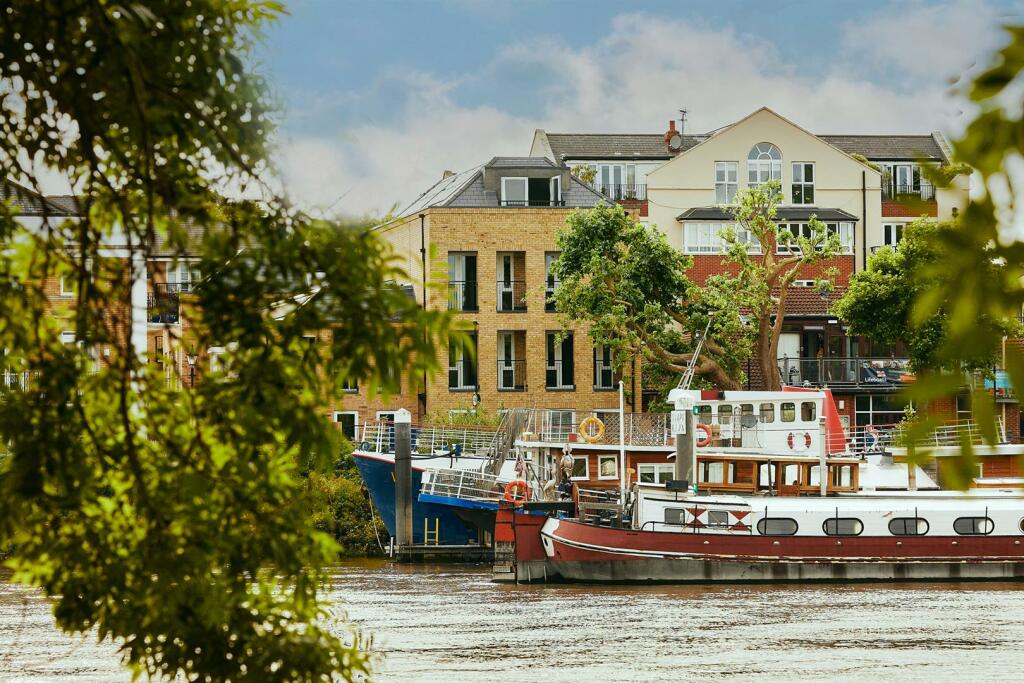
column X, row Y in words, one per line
column 770, row 259
column 880, row 300
column 630, row 286
column 175, row 523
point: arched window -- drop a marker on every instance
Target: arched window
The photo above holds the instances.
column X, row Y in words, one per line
column 764, row 163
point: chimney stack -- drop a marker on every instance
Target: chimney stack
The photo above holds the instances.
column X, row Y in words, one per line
column 671, row 132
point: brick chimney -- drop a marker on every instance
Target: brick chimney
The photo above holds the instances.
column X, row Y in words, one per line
column 671, row 132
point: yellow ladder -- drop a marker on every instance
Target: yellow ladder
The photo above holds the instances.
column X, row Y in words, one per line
column 429, row 534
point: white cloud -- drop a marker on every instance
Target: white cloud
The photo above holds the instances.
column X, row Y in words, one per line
column 890, row 75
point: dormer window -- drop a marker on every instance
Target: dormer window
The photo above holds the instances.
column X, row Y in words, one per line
column 531, row 191
column 764, row 163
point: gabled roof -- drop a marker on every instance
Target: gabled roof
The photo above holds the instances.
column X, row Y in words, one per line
column 30, row 203
column 890, row 147
column 598, row 146
column 441, row 192
column 520, row 162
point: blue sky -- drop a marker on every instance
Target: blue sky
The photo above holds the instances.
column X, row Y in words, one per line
column 381, row 97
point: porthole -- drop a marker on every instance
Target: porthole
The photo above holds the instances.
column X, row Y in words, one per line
column 909, row 526
column 842, row 526
column 776, row 526
column 973, row 526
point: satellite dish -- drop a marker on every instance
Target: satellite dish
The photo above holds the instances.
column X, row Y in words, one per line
column 675, row 143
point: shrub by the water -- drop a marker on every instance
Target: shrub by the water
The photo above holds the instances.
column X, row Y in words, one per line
column 340, row 505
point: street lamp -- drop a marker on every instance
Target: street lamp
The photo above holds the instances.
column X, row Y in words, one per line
column 191, row 357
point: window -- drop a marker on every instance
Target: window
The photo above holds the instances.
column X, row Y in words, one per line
column 726, row 177
column 67, row 337
column 764, row 163
column 607, row 467
column 514, row 191
column 618, row 181
column 843, row 526
column 559, row 424
column 550, row 281
column 808, row 411
column 559, row 373
column 386, row 416
column 462, row 363
column 348, row 422
column 655, row 473
column 462, row 281
column 879, row 410
column 892, row 234
column 580, row 467
column 187, row 275
column 908, row 526
column 767, row 412
column 349, row 385
column 604, row 371
column 718, row 518
column 803, row 183
column 68, row 285
column 706, row 238
column 788, row 412
column 843, row 229
column 973, row 526
column 725, row 414
column 776, row 526
column 674, row 515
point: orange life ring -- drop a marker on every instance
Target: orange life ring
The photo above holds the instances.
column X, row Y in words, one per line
column 791, row 441
column 517, row 491
column 707, row 434
column 584, row 429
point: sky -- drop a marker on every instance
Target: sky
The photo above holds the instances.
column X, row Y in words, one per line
column 380, row 98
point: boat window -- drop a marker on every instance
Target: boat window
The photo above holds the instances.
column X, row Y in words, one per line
column 973, row 526
column 704, row 414
column 674, row 515
column 607, row 467
column 843, row 526
column 788, row 412
column 767, row 412
column 808, row 411
column 718, row 518
column 725, row 414
column 776, row 526
column 908, row 526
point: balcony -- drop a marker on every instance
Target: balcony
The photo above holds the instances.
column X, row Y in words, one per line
column 996, row 383
column 845, row 372
column 921, row 191
column 163, row 305
column 511, row 296
column 462, row 295
column 626, row 192
column 526, row 203
column 511, row 375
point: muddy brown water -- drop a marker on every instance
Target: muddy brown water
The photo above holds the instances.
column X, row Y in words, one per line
column 450, row 623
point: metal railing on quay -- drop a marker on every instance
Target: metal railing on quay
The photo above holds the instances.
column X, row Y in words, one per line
column 466, row 485
column 562, row 426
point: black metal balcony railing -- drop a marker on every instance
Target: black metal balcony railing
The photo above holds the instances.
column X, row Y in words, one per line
column 532, row 202
column 511, row 296
column 850, row 372
column 511, row 375
column 462, row 295
column 163, row 303
column 549, row 296
column 623, row 191
column 604, row 375
column 559, row 375
column 922, row 190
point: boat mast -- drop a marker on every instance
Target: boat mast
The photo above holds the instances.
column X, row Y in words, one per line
column 687, row 378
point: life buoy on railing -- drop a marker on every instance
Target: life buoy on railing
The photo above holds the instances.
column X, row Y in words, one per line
column 584, row 429
column 364, row 446
column 702, row 442
column 517, row 491
column 792, row 442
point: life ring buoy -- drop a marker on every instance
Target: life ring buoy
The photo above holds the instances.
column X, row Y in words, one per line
column 807, row 440
column 793, row 444
column 517, row 491
column 364, row 445
column 790, row 441
column 701, row 443
column 584, row 429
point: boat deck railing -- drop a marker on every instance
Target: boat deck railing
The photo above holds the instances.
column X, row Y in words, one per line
column 465, row 485
column 379, row 437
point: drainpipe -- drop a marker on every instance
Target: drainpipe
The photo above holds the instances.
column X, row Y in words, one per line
column 863, row 220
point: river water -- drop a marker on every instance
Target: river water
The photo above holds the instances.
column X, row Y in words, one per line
column 450, row 623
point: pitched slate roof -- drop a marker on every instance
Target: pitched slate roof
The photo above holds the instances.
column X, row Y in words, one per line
column 614, row 145
column 29, row 203
column 520, row 162
column 782, row 213
column 890, row 147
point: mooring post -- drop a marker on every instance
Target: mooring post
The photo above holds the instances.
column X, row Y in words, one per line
column 682, row 428
column 403, row 478
column 823, row 458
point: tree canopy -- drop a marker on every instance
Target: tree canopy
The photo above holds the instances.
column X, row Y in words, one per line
column 177, row 523
column 630, row 285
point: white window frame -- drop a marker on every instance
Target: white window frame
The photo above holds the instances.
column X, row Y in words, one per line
column 355, row 437
column 845, row 229
column 723, row 182
column 460, row 366
column 559, row 430
column 550, row 286
column 68, row 337
column 763, row 168
column 600, row 367
column 65, row 291
column 615, row 461
column 892, row 234
column 507, row 354
column 554, row 190
column 386, row 412
column 586, row 467
column 655, row 468
column 706, row 238
column 526, row 191
column 803, row 184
